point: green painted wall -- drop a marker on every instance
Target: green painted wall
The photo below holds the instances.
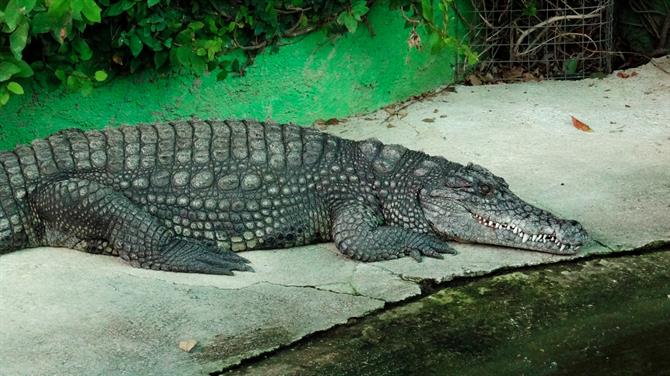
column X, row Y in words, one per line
column 315, row 77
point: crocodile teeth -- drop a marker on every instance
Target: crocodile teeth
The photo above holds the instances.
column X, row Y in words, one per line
column 517, row 231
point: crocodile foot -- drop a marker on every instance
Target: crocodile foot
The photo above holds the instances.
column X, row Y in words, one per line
column 195, row 256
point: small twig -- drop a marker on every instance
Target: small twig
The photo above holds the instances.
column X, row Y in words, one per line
column 292, row 10
column 249, row 48
column 410, row 20
column 551, row 20
column 298, row 32
column 530, row 50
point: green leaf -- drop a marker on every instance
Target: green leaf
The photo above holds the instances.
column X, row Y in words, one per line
column 91, row 10
column 4, row 98
column 183, row 54
column 427, row 10
column 222, row 75
column 100, row 75
column 570, row 66
column 160, row 58
column 120, row 7
column 25, row 70
column 60, row 74
column 530, row 9
column 13, row 14
column 78, row 81
column 76, row 7
column 346, row 19
column 15, row 88
column 82, row 48
column 7, row 70
column 147, row 39
column 151, row 3
column 436, row 43
column 42, row 23
column 86, row 87
column 58, row 8
column 359, row 9
column 197, row 25
column 18, row 39
column 135, row 45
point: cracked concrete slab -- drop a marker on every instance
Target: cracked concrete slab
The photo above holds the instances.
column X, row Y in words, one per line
column 66, row 312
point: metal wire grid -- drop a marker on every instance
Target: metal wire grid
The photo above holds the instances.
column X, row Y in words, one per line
column 558, row 39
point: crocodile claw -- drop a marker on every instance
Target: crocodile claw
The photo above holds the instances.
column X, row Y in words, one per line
column 434, row 248
column 196, row 256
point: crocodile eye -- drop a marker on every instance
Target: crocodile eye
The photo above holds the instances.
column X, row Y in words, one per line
column 485, row 189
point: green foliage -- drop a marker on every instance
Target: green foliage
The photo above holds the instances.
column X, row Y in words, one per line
column 434, row 15
column 80, row 44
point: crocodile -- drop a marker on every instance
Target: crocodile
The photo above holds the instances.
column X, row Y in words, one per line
column 187, row 196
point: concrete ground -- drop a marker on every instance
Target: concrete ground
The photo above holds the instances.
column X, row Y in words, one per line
column 65, row 312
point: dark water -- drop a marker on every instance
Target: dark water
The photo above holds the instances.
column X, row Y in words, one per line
column 597, row 317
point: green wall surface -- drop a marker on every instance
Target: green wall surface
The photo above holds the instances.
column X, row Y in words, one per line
column 314, row 77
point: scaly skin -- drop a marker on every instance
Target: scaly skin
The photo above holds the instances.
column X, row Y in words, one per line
column 186, row 196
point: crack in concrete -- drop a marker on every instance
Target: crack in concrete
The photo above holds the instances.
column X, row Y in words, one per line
column 315, row 287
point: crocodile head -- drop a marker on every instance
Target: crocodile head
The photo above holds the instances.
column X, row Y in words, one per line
column 470, row 204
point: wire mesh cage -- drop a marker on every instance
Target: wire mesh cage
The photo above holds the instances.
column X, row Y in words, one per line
column 558, row 39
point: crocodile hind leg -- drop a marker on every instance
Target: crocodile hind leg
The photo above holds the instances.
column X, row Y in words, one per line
column 95, row 213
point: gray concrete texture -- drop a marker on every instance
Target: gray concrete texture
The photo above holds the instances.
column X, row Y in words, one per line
column 68, row 313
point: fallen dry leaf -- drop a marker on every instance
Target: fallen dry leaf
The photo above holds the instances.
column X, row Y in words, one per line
column 474, row 80
column 332, row 121
column 428, row 120
column 187, row 345
column 580, row 125
column 117, row 59
column 622, row 74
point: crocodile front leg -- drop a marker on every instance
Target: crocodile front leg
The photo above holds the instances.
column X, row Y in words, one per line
column 92, row 211
column 359, row 232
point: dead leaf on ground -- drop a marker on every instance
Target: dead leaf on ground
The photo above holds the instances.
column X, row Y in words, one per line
column 580, row 125
column 623, row 74
column 474, row 80
column 187, row 345
column 332, row 121
column 390, row 126
column 428, row 120
column 323, row 124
